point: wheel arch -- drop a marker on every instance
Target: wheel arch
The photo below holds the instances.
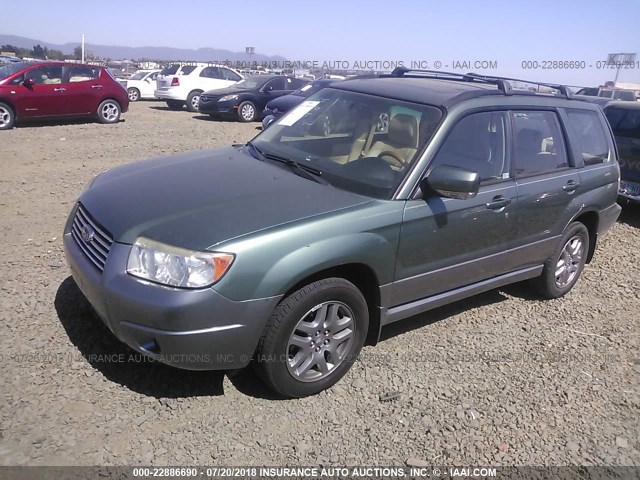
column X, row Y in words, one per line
column 591, row 220
column 364, row 278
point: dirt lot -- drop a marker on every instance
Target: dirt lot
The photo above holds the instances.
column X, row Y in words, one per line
column 503, row 378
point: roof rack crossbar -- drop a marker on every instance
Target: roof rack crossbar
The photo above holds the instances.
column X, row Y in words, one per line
column 503, row 86
column 563, row 89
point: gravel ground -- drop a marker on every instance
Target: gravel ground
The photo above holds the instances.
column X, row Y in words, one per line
column 500, row 379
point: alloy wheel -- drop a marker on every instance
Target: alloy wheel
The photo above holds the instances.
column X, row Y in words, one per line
column 5, row 117
column 569, row 261
column 109, row 112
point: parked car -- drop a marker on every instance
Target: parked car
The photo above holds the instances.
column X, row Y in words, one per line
column 246, row 99
column 296, row 248
column 183, row 84
column 624, row 118
column 612, row 93
column 281, row 105
column 141, row 85
column 57, row 90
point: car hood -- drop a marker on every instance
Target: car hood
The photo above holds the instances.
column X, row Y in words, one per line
column 220, row 92
column 199, row 199
column 285, row 103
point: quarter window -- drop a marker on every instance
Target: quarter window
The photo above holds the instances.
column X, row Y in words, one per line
column 477, row 143
column 592, row 140
column 538, row 143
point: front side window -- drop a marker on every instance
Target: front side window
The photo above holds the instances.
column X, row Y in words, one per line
column 211, row 72
column 477, row 143
column 83, row 74
column 589, row 132
column 46, row 75
column 228, row 74
column 275, row 84
column 538, row 143
column 361, row 143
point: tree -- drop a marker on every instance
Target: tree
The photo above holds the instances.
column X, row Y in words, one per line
column 77, row 52
column 38, row 51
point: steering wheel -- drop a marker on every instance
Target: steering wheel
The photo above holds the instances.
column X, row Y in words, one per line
column 398, row 162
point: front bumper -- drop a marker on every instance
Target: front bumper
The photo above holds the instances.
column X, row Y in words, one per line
column 191, row 329
column 216, row 107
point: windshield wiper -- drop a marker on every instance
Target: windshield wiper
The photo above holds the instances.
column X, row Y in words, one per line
column 305, row 171
column 255, row 149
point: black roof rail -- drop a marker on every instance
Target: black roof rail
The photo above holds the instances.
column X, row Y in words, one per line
column 503, row 85
column 563, row 89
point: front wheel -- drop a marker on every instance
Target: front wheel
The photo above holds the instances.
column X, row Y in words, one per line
column 109, row 111
column 133, row 94
column 313, row 338
column 7, row 117
column 247, row 112
column 193, row 101
column 562, row 270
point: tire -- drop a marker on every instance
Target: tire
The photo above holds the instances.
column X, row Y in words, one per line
column 297, row 358
column 175, row 104
column 7, row 117
column 109, row 111
column 193, row 100
column 562, row 270
column 133, row 94
column 247, row 112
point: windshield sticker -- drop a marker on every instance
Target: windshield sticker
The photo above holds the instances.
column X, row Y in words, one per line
column 298, row 112
column 305, row 88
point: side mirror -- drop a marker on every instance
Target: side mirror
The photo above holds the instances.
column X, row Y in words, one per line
column 451, row 182
column 28, row 82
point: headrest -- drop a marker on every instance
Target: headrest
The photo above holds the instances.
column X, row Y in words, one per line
column 403, row 131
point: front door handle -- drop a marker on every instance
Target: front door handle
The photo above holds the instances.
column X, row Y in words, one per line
column 571, row 186
column 498, row 202
column 96, row 86
column 60, row 89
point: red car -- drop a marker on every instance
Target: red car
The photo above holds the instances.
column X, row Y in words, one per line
column 59, row 90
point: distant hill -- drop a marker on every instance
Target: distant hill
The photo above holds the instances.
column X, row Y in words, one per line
column 116, row 52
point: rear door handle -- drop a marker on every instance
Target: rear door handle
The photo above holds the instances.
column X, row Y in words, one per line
column 498, row 202
column 570, row 186
column 60, row 89
column 96, row 86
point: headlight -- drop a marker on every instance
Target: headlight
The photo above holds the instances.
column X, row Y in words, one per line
column 176, row 267
column 226, row 98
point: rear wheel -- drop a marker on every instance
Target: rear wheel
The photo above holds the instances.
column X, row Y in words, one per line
column 562, row 270
column 247, row 112
column 175, row 104
column 313, row 338
column 193, row 101
column 7, row 118
column 109, row 111
column 133, row 94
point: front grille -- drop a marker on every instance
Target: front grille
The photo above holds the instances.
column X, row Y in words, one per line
column 93, row 240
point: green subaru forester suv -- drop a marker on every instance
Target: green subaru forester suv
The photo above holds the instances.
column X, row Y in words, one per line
column 375, row 199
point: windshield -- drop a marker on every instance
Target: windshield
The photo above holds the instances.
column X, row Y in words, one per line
column 10, row 69
column 138, row 75
column 360, row 143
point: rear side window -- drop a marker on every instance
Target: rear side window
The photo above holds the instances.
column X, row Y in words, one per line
column 592, row 139
column 170, row 70
column 624, row 122
column 476, row 143
column 83, row 74
column 538, row 143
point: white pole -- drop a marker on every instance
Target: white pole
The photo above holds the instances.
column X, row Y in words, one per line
column 83, row 48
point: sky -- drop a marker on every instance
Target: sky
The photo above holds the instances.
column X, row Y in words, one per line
column 455, row 33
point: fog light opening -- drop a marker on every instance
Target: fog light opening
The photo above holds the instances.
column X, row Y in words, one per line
column 151, row 346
